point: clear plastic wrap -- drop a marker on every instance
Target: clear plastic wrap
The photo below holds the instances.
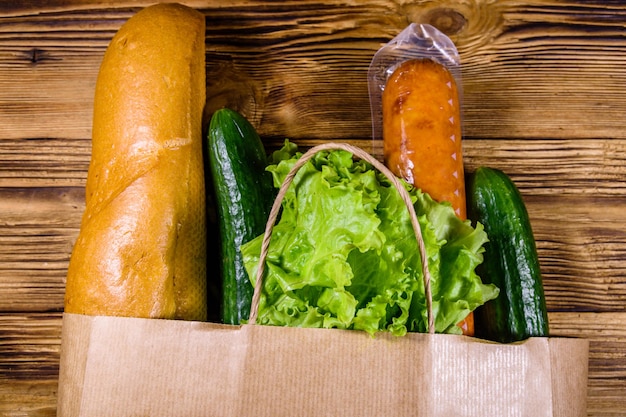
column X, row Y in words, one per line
column 415, row 41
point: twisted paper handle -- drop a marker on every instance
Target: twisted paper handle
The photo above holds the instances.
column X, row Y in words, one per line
column 278, row 201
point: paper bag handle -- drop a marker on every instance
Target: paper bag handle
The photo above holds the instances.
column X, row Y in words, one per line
column 278, row 202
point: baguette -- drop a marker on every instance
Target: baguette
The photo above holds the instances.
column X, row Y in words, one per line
column 141, row 248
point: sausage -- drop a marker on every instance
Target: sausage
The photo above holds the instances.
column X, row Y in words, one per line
column 422, row 134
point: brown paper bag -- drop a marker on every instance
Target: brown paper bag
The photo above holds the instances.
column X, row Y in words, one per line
column 113, row 366
column 118, row 367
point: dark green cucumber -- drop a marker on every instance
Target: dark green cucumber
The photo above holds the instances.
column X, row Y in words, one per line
column 510, row 260
column 243, row 194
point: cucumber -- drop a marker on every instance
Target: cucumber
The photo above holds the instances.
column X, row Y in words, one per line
column 510, row 260
column 243, row 193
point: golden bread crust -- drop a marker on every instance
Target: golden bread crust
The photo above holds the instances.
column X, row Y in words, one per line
column 141, row 249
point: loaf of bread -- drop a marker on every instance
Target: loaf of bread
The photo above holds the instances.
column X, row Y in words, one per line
column 141, row 249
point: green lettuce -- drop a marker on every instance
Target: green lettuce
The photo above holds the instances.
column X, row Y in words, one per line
column 344, row 255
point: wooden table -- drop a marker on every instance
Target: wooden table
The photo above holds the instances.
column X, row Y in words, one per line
column 544, row 99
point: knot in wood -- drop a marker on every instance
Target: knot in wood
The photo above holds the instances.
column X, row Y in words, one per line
column 447, row 20
column 35, row 55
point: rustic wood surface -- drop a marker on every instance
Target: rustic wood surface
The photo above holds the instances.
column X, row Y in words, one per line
column 544, row 99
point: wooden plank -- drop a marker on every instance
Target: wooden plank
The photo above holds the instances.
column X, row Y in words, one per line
column 555, row 167
column 37, row 229
column 530, row 70
column 607, row 356
column 30, row 346
column 29, row 364
column 540, row 167
column 42, row 163
column 582, row 251
column 46, row 93
column 576, row 210
column 28, row 398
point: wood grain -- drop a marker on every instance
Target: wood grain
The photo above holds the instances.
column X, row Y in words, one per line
column 607, row 356
column 544, row 84
column 37, row 232
column 529, row 70
column 29, row 369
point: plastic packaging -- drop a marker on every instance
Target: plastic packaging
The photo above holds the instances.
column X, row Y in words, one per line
column 415, row 41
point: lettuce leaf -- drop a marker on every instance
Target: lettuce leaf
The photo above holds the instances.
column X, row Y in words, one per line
column 343, row 253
